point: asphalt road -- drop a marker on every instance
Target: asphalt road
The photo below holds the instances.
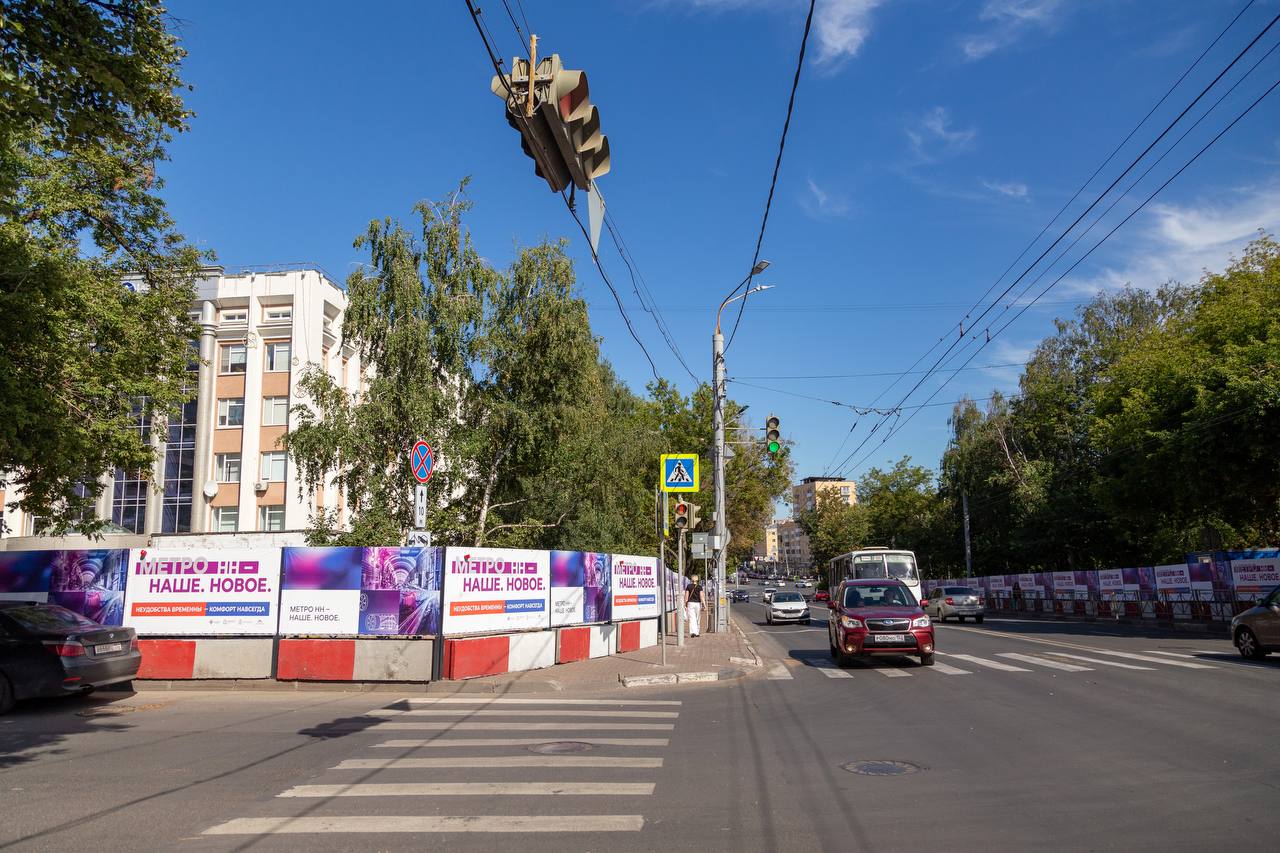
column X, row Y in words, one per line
column 1027, row 734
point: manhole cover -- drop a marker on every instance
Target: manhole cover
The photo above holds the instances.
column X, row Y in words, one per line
column 881, row 768
column 560, row 747
column 106, row 711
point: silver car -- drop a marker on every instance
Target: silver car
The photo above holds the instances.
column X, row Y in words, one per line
column 787, row 607
column 960, row 601
column 1256, row 632
column 768, row 594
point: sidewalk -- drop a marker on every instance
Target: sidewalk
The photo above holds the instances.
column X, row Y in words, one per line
column 708, row 657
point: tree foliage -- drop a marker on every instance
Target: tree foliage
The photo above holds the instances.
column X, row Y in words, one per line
column 89, row 96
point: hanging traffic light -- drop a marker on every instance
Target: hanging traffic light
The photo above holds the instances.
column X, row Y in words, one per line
column 559, row 127
column 772, row 435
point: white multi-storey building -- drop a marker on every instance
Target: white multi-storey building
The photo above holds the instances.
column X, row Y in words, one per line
column 221, row 467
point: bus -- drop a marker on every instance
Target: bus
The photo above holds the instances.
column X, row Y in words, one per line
column 877, row 563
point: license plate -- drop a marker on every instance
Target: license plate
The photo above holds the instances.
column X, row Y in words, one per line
column 106, row 648
column 890, row 638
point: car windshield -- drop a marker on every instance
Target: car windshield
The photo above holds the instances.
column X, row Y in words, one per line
column 47, row 617
column 878, row 595
column 959, row 590
column 788, row 596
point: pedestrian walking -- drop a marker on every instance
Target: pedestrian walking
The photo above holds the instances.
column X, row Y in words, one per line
column 693, row 606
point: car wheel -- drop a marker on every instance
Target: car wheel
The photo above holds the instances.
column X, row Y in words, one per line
column 1247, row 643
column 978, row 619
column 926, row 660
column 843, row 660
column 835, row 653
column 807, row 620
column 6, row 694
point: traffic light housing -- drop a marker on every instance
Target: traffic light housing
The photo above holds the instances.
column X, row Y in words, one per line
column 563, row 135
column 686, row 514
column 772, row 435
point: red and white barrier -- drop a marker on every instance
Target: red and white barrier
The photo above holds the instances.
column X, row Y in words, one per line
column 211, row 658
column 587, row 641
column 636, row 635
column 354, row 660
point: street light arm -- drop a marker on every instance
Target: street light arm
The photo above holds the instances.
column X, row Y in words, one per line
column 735, row 297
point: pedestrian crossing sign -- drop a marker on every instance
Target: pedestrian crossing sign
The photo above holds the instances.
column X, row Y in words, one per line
column 679, row 472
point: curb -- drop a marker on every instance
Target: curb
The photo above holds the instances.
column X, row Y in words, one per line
column 706, row 676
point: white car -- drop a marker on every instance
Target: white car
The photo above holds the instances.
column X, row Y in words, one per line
column 768, row 594
column 787, row 607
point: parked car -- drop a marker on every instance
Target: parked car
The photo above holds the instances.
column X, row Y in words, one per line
column 787, row 607
column 961, row 602
column 1256, row 632
column 878, row 617
column 822, row 595
column 47, row 650
column 768, row 594
column 739, row 595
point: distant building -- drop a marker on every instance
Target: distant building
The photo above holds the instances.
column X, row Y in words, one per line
column 804, row 495
column 222, row 468
column 793, row 546
column 767, row 548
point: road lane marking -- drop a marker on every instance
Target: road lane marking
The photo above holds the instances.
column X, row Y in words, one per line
column 405, row 743
column 480, row 761
column 473, row 789
column 1171, row 654
column 510, row 700
column 891, row 673
column 568, row 725
column 1102, row 662
column 428, row 824
column 948, row 669
column 1052, row 664
column 518, row 712
column 1149, row 659
column 832, row 672
column 779, row 672
column 991, row 664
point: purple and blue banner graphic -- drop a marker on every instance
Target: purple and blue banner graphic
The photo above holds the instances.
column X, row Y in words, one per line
column 362, row 591
column 580, row 587
column 90, row 582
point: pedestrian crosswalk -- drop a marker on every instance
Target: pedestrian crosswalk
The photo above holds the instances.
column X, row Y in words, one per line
column 1031, row 661
column 608, row 752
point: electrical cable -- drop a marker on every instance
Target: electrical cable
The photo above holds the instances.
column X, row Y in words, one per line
column 777, row 165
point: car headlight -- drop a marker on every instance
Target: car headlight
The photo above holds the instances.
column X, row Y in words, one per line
column 920, row 622
column 850, row 622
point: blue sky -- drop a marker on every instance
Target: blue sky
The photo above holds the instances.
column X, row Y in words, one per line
column 931, row 142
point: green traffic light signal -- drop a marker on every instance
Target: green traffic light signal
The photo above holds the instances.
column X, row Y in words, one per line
column 774, row 447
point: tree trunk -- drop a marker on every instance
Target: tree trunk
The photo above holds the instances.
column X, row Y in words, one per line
column 488, row 491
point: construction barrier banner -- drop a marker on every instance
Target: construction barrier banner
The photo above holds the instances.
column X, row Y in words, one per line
column 204, row 591
column 579, row 587
column 90, row 582
column 1254, row 573
column 496, row 590
column 635, row 587
column 361, row 591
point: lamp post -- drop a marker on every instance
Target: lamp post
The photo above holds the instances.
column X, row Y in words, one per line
column 718, row 380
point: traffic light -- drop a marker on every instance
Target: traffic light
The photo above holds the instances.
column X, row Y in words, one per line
column 772, row 435
column 563, row 134
column 686, row 514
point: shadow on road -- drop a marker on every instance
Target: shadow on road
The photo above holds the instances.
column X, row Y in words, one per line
column 35, row 729
column 1101, row 628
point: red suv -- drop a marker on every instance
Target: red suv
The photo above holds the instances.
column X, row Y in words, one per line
column 877, row 617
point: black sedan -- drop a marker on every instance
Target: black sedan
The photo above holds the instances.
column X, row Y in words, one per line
column 738, row 595
column 47, row 650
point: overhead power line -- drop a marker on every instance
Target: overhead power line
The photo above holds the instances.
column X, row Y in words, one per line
column 777, row 165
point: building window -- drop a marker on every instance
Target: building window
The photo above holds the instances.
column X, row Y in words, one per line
column 130, row 489
column 233, row 358
column 271, row 517
column 277, row 314
column 226, row 519
column 234, row 315
column 278, row 357
column 226, row 467
column 273, row 467
column 179, row 471
column 275, row 411
column 344, row 374
column 231, row 412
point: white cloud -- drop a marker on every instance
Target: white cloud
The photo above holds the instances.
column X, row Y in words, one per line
column 1013, row 189
column 841, row 27
column 821, row 203
column 1180, row 242
column 1009, row 22
column 934, row 137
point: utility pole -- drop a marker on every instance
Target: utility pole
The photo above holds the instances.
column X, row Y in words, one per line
column 968, row 554
column 660, row 506
column 721, row 535
column 680, row 591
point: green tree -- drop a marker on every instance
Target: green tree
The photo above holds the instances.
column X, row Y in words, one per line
column 89, row 96
column 899, row 503
column 833, row 527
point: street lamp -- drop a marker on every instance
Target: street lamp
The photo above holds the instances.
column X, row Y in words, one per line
column 721, row 535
